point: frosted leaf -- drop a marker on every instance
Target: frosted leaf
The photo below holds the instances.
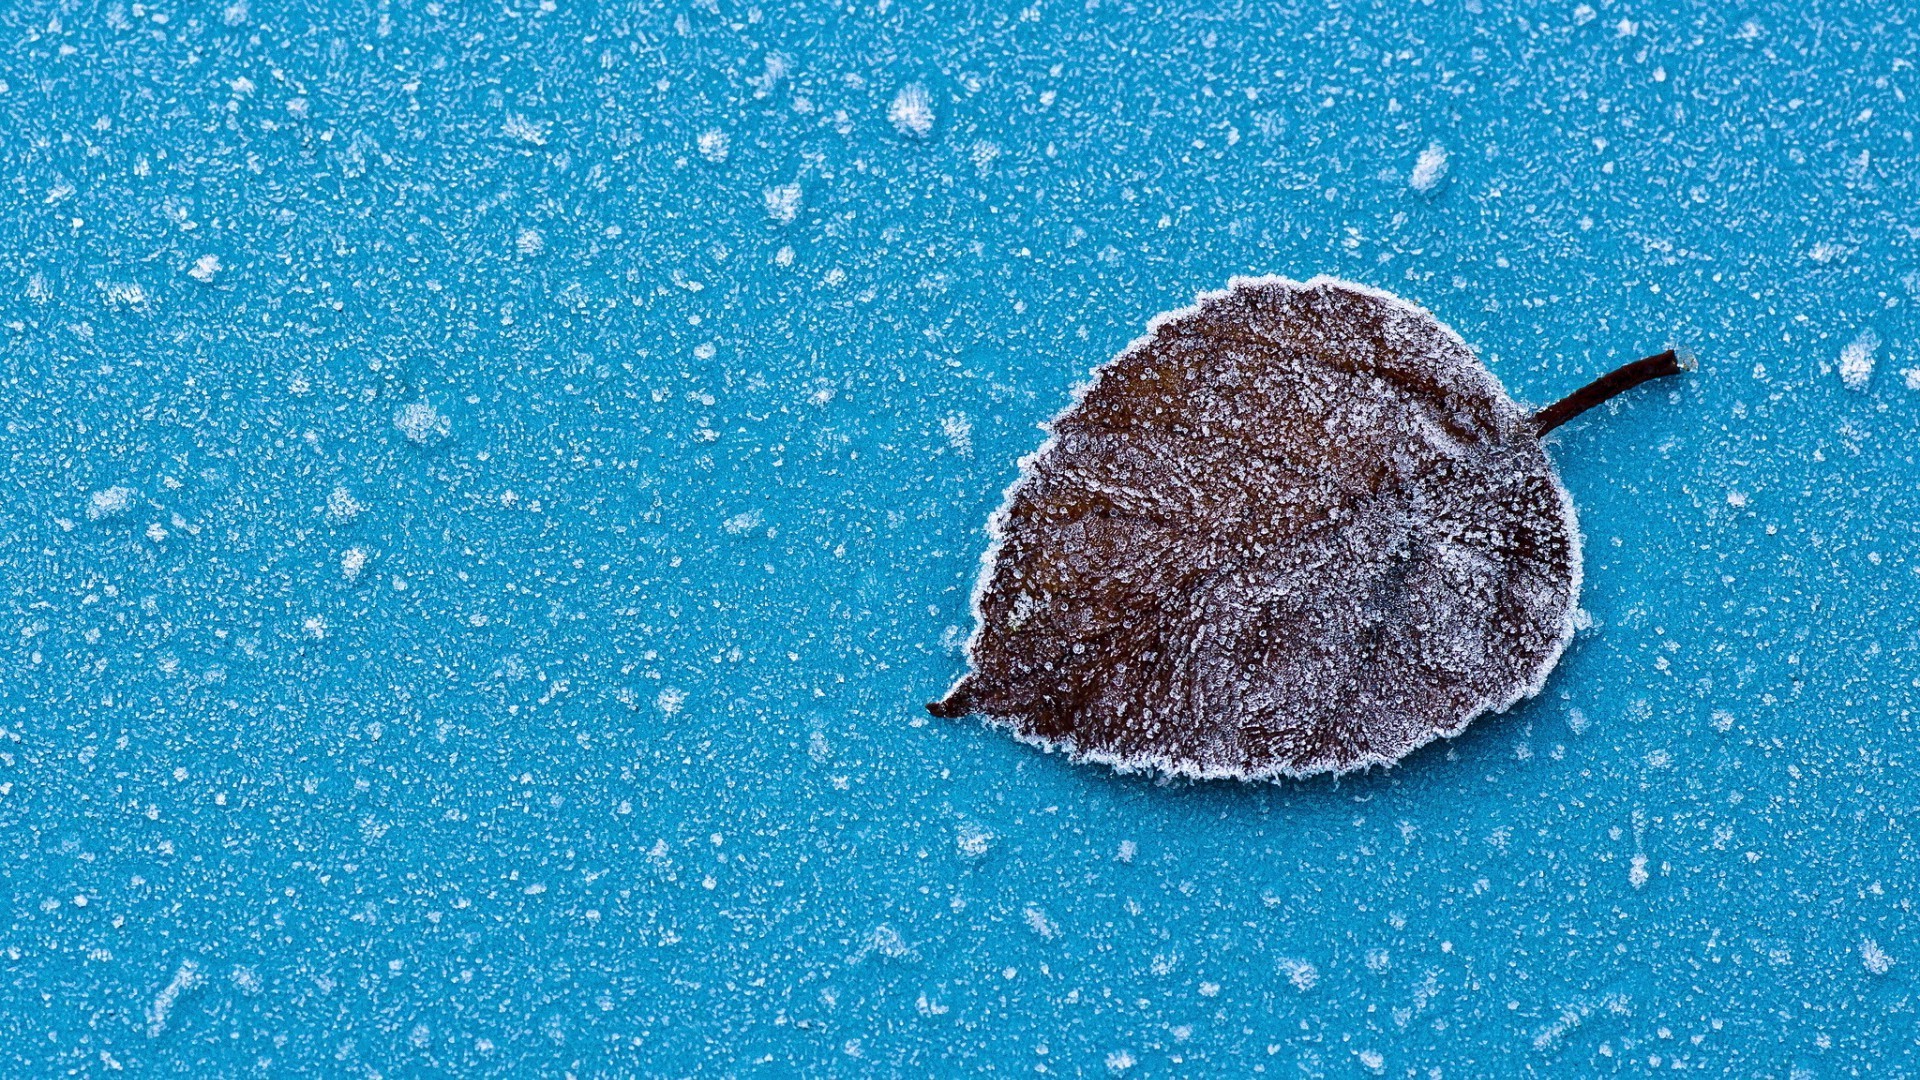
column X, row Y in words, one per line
column 1297, row 528
column 1856, row 360
column 1429, row 169
column 911, row 113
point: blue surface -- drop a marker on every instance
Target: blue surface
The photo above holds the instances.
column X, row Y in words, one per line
column 609, row 759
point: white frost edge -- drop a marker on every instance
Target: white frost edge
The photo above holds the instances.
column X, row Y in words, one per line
column 1141, row 763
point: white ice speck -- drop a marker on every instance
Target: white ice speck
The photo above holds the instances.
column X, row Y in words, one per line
column 1637, row 872
column 421, row 422
column 342, row 507
column 984, row 155
column 184, row 979
column 156, row 532
column 1374, row 1061
column 1300, row 973
column 912, row 111
column 1856, row 359
column 1722, row 721
column 204, row 268
column 1038, row 922
column 1874, row 957
column 744, row 522
column 783, row 203
column 315, row 626
column 111, row 502
column 1583, row 14
column 1912, row 377
column 520, row 128
column 1119, row 1061
column 1128, row 850
column 887, row 942
column 972, row 840
column 1429, row 169
column 1826, row 251
column 670, row 700
column 959, row 432
column 352, row 561
column 714, row 145
column 124, row 292
column 530, row 242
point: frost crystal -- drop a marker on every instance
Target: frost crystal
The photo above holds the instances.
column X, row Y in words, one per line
column 342, row 507
column 1875, row 958
column 1856, row 360
column 714, row 146
column 1297, row 528
column 1303, row 975
column 112, row 502
column 161, row 1007
column 783, row 203
column 972, row 840
column 524, row 130
column 421, row 422
column 912, row 111
column 1429, row 169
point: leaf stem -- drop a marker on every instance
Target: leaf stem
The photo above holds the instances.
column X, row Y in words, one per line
column 1615, row 382
column 957, row 703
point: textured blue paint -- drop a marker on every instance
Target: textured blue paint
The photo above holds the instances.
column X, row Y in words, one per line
column 609, row 758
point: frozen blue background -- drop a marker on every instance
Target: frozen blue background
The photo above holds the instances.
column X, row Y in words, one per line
column 610, row 758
